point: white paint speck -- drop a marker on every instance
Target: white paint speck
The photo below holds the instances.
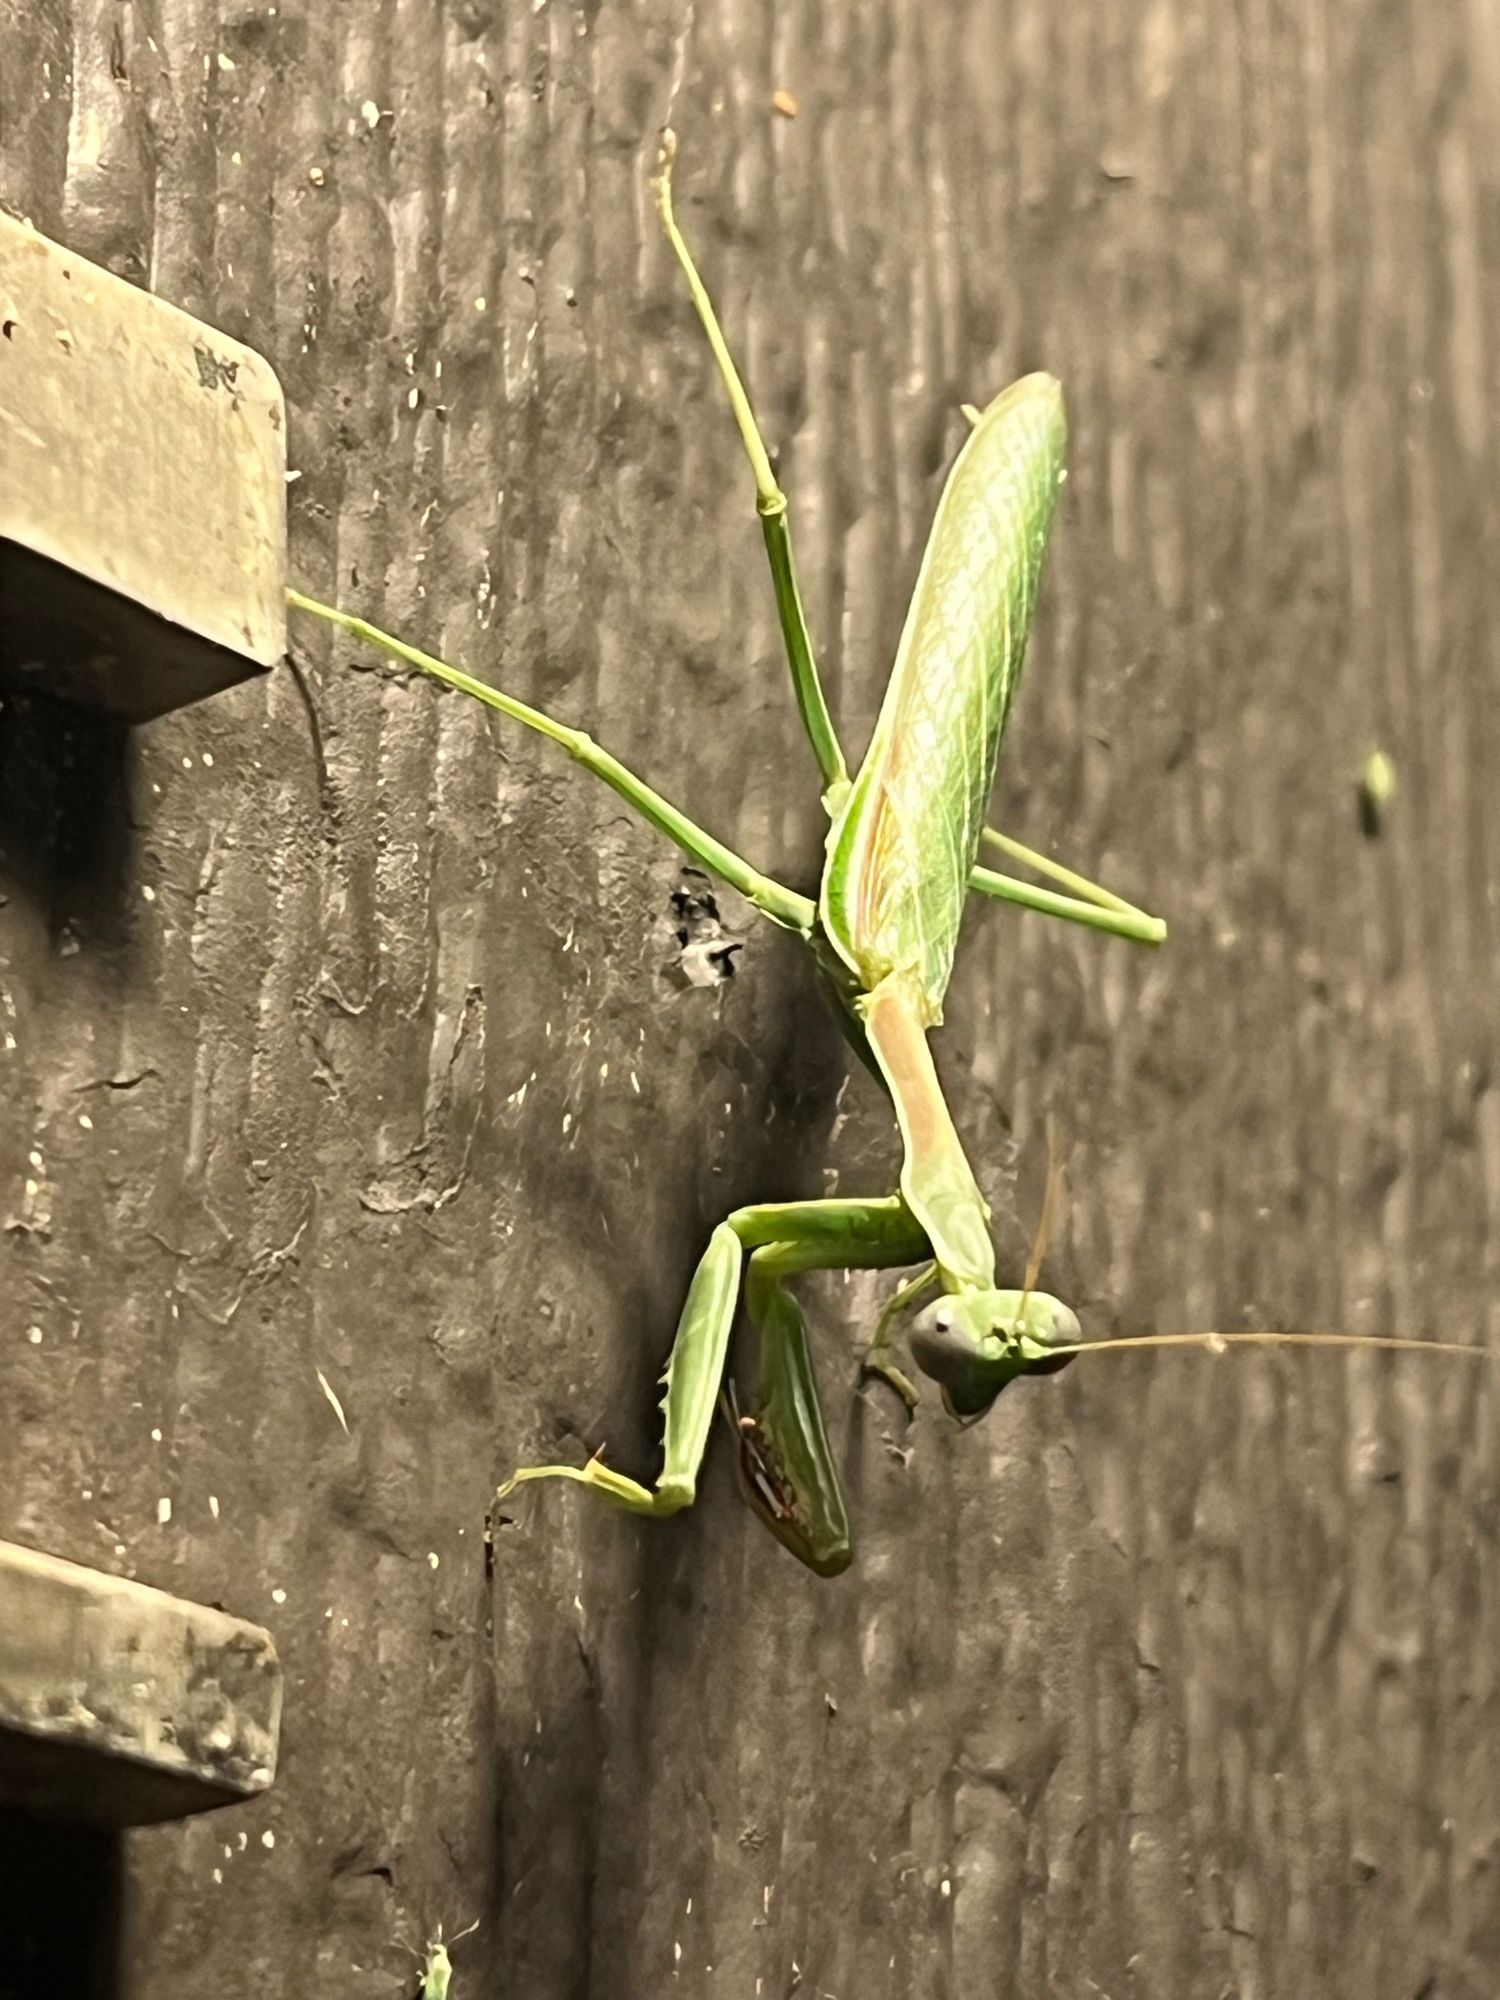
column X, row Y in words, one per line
column 226, row 63
column 370, row 112
column 433, row 1558
column 334, row 1404
column 156, row 1434
column 34, row 1335
column 278, row 1596
column 163, row 1511
column 213, row 1505
column 218, row 1874
column 481, row 304
column 208, row 759
column 85, row 1121
column 268, row 1839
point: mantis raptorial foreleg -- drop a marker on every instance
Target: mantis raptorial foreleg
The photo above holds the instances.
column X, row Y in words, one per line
column 788, row 1469
column 782, row 905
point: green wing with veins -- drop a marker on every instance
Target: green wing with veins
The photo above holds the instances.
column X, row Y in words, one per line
column 900, row 850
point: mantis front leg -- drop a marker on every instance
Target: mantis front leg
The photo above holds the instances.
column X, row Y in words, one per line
column 788, row 1470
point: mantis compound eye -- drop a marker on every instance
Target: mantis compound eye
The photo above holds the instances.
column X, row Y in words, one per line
column 942, row 1346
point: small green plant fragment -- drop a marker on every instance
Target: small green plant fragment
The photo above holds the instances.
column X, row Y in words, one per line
column 1377, row 788
column 436, row 1981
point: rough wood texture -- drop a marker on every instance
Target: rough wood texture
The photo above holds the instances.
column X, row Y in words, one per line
column 359, row 1048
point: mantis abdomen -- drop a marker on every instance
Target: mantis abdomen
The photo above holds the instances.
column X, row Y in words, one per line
column 900, row 852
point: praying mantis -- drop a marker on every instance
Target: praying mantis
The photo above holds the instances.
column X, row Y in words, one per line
column 906, row 829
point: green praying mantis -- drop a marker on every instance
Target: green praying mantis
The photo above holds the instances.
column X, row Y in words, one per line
column 905, row 833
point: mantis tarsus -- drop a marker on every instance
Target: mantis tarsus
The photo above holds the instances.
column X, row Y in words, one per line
column 901, row 856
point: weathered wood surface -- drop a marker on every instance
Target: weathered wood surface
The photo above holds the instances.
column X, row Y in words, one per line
column 357, row 1049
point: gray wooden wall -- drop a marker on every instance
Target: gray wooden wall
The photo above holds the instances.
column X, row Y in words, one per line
column 344, row 1029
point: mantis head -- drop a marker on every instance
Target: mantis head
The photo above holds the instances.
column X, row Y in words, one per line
column 973, row 1343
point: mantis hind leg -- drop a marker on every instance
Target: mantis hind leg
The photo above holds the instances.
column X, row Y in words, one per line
column 771, row 505
column 786, row 1434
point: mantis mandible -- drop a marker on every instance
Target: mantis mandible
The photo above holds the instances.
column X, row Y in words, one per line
column 905, row 833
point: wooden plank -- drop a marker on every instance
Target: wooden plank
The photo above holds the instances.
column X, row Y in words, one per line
column 121, row 1705
column 142, row 491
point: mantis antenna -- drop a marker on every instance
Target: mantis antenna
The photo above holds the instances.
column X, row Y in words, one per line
column 1209, row 1342
column 1215, row 1343
column 1050, row 1200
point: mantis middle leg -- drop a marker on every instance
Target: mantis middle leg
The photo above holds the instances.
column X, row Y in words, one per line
column 782, row 905
column 785, row 1461
column 877, row 1359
